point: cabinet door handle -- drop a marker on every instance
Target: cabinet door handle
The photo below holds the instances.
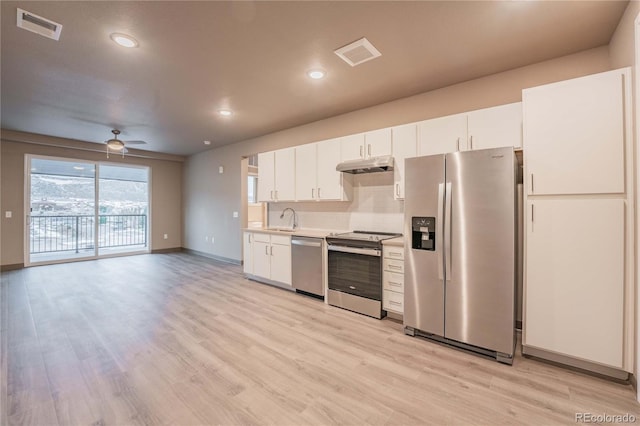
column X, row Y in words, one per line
column 394, row 267
column 369, row 150
column 398, row 189
column 313, row 193
column 458, row 145
column 471, row 142
column 271, row 250
column 272, row 194
column 396, row 254
column 394, row 284
column 391, row 302
column 531, row 213
column 360, row 151
column 532, row 191
column 266, row 250
column 249, row 235
column 319, row 193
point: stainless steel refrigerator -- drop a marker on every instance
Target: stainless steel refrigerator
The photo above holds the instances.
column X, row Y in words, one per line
column 460, row 250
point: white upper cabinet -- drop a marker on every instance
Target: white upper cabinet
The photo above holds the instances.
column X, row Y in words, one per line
column 495, row 127
column 285, row 168
column 352, row 147
column 266, row 176
column 306, row 172
column 316, row 175
column 377, row 143
column 405, row 145
column 442, row 135
column 574, row 134
column 276, row 175
column 332, row 185
column 365, row 145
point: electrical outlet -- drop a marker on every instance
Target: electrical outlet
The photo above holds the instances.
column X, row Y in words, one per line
column 212, row 240
column 235, row 214
column 206, row 238
column 166, row 236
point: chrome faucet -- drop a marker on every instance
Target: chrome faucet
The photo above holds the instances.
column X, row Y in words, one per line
column 295, row 216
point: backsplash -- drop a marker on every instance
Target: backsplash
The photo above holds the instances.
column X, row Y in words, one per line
column 372, row 208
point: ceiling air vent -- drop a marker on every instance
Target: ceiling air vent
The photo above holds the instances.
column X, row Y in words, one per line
column 358, row 52
column 39, row 25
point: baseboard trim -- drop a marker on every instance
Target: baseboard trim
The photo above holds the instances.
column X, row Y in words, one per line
column 166, row 250
column 212, row 256
column 269, row 282
column 577, row 364
column 12, row 267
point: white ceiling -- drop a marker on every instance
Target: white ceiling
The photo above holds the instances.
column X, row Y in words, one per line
column 197, row 57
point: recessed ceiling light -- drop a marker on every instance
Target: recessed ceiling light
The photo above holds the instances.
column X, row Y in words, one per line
column 225, row 112
column 124, row 40
column 316, row 74
column 207, row 142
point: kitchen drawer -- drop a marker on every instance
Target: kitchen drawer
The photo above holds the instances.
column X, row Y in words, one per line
column 392, row 301
column 283, row 240
column 393, row 281
column 260, row 237
column 392, row 252
column 393, row 265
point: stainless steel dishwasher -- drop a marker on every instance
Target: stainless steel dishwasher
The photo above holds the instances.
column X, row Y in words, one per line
column 307, row 273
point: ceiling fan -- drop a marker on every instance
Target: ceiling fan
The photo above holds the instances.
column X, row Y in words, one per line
column 116, row 145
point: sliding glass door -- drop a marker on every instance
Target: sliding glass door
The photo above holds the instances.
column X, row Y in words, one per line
column 123, row 209
column 81, row 210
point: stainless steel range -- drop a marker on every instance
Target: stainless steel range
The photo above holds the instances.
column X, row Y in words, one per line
column 355, row 271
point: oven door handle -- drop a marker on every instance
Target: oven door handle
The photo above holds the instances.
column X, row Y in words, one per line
column 355, row 250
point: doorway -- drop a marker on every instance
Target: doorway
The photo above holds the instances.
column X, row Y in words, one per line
column 80, row 210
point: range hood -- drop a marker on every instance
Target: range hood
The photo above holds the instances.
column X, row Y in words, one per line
column 367, row 165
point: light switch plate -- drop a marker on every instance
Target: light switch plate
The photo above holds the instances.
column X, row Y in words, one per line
column 235, row 214
column 8, row 214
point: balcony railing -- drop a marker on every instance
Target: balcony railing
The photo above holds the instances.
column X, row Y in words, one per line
column 48, row 234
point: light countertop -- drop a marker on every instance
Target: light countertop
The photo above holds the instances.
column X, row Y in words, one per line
column 300, row 232
column 398, row 241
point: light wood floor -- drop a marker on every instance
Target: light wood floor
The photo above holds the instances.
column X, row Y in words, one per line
column 178, row 339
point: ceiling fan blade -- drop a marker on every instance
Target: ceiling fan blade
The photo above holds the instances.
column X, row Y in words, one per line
column 135, row 142
column 125, row 150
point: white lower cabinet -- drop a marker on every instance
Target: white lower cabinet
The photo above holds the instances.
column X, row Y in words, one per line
column 574, row 279
column 247, row 251
column 393, row 279
column 271, row 256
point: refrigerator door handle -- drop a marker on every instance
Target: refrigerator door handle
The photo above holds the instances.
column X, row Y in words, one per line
column 439, row 223
column 447, row 231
